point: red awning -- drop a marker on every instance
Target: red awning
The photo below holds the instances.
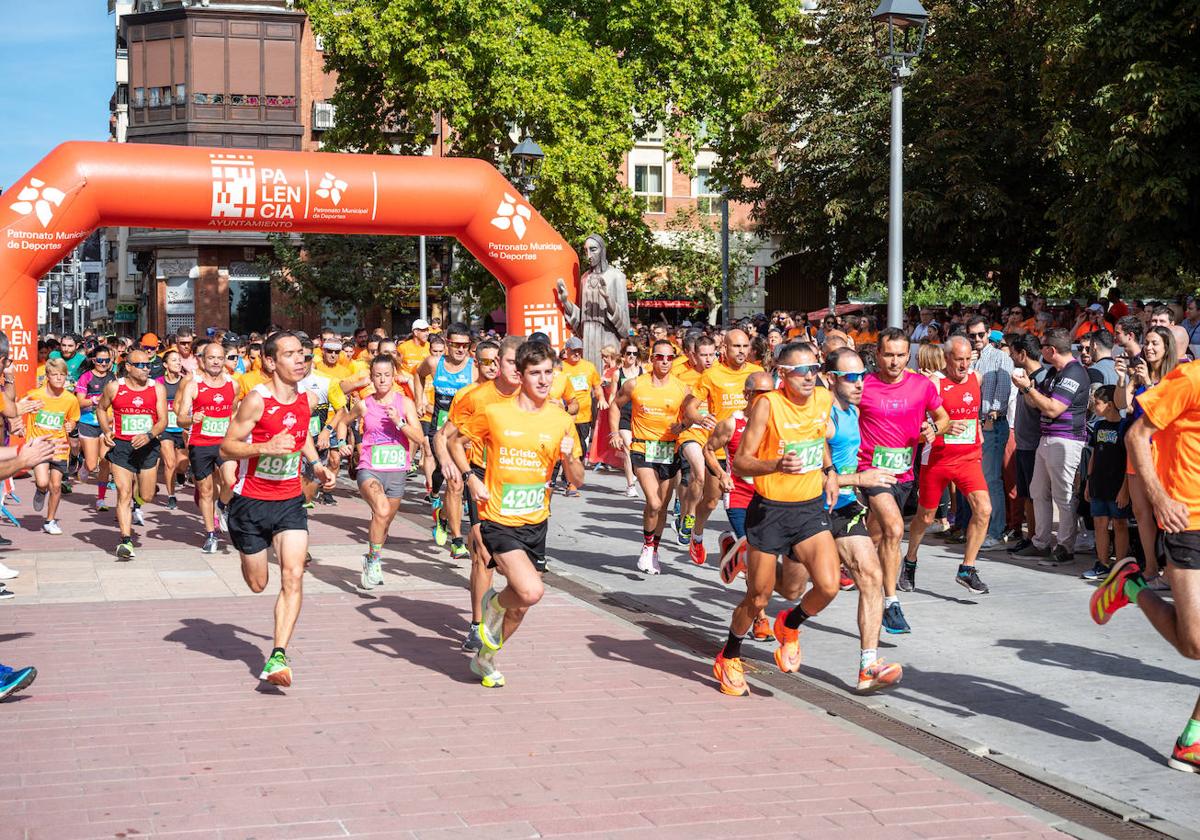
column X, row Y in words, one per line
column 840, row 309
column 667, row 304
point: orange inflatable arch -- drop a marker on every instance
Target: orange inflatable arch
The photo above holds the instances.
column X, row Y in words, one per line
column 81, row 186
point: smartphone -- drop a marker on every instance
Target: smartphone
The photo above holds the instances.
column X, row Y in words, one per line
column 1118, row 352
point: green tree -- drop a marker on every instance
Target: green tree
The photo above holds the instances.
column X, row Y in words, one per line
column 1123, row 83
column 581, row 78
column 977, row 184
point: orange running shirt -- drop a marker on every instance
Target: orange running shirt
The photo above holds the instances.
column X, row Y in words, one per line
column 50, row 421
column 562, row 391
column 466, row 404
column 412, row 354
column 722, row 390
column 800, row 429
column 583, row 378
column 1173, row 406
column 655, row 410
column 523, row 447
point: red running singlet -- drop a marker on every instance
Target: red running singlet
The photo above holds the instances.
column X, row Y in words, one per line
column 275, row 477
column 216, row 404
column 135, row 411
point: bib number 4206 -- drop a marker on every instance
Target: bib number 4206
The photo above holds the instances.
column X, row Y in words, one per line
column 517, row 499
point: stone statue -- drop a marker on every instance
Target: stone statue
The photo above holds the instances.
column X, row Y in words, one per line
column 602, row 316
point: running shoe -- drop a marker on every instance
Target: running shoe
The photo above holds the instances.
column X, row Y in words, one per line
column 171, row 503
column 969, row 577
column 1031, row 551
column 1185, row 758
column 491, row 628
column 222, row 521
column 327, row 498
column 1021, row 544
column 760, row 631
column 1098, row 572
column 210, row 544
column 655, row 566
column 1058, row 556
column 6, row 593
column 483, row 665
column 309, row 505
column 138, row 518
column 907, row 581
column 50, row 526
column 101, row 505
column 8, row 574
column 731, row 676
column 277, row 671
column 125, row 550
column 376, row 571
column 1110, row 595
column 689, row 523
column 458, row 551
column 696, row 552
column 365, row 578
column 67, row 489
column 39, row 499
column 645, row 561
column 733, row 561
column 893, row 620
column 787, row 655
column 13, row 680
column 472, row 642
column 878, row 675
column 631, row 490
column 845, row 582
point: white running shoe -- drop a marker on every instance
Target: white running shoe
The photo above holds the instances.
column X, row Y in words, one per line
column 138, row 519
column 632, row 490
column 646, row 561
column 375, row 571
column 50, row 526
column 365, row 580
column 655, row 567
column 6, row 573
column 483, row 665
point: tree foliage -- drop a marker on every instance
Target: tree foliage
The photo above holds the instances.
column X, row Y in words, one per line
column 582, row 78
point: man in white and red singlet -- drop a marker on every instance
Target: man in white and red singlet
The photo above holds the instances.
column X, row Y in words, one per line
column 206, row 405
column 139, row 415
column 899, row 409
column 268, row 435
column 953, row 457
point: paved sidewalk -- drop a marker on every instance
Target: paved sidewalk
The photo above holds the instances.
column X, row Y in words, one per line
column 148, row 720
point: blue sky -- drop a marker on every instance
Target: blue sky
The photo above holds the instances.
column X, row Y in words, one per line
column 56, row 59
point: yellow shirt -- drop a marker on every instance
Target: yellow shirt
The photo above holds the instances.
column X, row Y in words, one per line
column 584, row 379
column 337, row 372
column 655, row 410
column 523, row 448
column 800, row 429
column 248, row 380
column 53, row 419
column 412, row 354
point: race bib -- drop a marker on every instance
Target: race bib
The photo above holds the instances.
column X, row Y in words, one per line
column 660, row 451
column 172, row 420
column 811, row 452
column 314, row 426
column 519, row 499
column 49, row 420
column 892, row 460
column 277, row 467
column 967, row 435
column 136, row 424
column 214, row 426
column 579, row 382
column 440, row 419
column 389, row 457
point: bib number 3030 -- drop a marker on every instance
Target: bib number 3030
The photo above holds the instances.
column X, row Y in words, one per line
column 518, row 499
column 278, row 467
column 891, row 460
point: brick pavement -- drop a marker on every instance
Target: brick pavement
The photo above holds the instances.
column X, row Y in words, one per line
column 147, row 720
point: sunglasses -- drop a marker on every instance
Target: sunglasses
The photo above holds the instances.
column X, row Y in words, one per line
column 977, row 335
column 104, row 361
column 758, row 390
column 630, row 352
column 849, row 376
column 149, row 348
column 663, row 357
column 141, row 365
column 488, row 362
column 800, row 370
column 460, row 344
column 232, row 357
column 308, row 357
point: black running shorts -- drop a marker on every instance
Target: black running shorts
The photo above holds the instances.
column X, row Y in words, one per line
column 1181, row 550
column 205, row 460
column 531, row 539
column 123, row 455
column 850, row 520
column 253, row 523
column 775, row 527
column 664, row 472
column 900, row 491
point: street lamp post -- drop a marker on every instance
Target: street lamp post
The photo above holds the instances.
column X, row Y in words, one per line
column 900, row 34
column 527, row 160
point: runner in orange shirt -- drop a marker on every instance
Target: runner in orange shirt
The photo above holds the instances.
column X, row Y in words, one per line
column 702, row 355
column 55, row 419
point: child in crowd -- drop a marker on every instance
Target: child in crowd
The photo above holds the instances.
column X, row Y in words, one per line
column 1107, row 489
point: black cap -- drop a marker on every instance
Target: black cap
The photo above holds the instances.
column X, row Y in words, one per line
column 539, row 336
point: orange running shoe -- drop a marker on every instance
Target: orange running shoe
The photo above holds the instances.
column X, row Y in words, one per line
column 877, row 675
column 762, row 629
column 1185, row 758
column 845, row 582
column 696, row 552
column 733, row 561
column 1110, row 596
column 787, row 655
column 731, row 676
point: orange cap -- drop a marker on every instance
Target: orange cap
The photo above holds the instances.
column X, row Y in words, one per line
column 148, row 339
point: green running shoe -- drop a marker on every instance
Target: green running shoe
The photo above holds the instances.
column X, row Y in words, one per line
column 458, row 551
column 491, row 629
column 277, row 671
column 483, row 665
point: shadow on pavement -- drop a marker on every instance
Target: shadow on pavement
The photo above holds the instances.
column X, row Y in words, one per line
column 1077, row 658
column 438, row 655
column 444, row 620
column 220, row 641
column 647, row 653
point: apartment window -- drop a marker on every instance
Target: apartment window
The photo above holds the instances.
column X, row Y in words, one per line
column 708, row 199
column 139, row 97
column 648, row 187
column 122, row 94
column 180, row 94
column 155, row 97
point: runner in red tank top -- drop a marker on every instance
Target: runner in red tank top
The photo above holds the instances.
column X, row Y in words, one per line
column 268, row 435
column 139, row 415
column 206, row 405
column 954, row 456
column 727, row 435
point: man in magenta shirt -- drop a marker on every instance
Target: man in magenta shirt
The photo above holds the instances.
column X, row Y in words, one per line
column 900, row 409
